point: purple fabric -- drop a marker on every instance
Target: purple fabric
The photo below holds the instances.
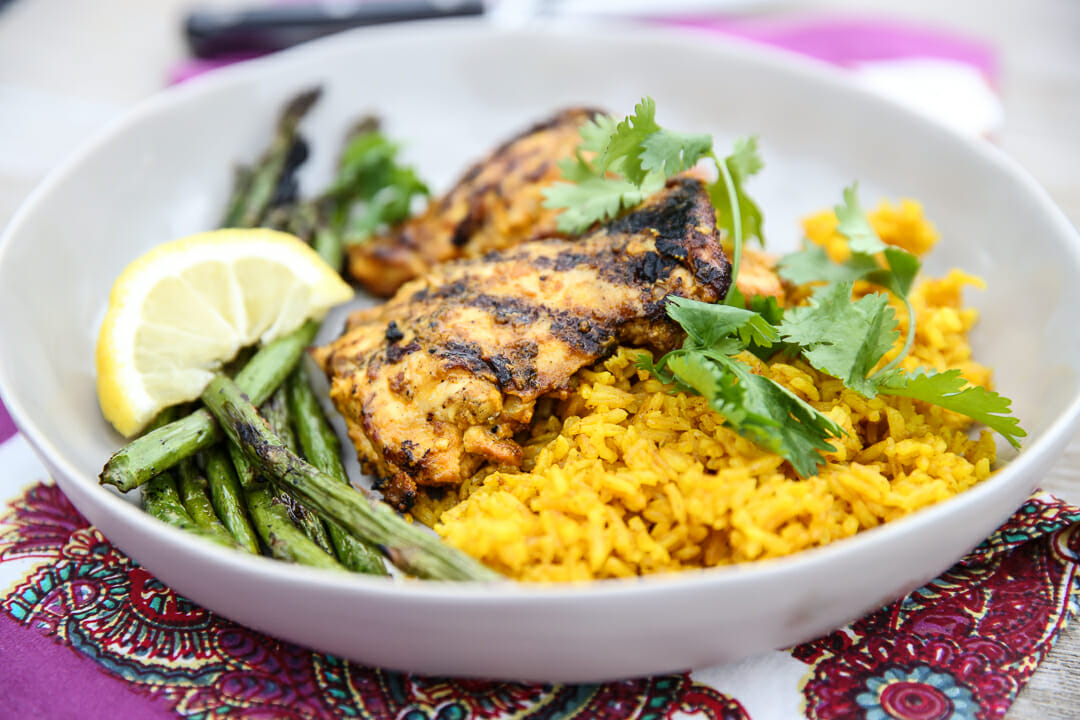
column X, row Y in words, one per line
column 7, row 426
column 41, row 678
column 847, row 41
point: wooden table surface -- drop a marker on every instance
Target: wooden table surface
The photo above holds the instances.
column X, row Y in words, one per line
column 67, row 68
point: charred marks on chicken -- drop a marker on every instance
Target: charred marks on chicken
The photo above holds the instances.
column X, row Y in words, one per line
column 408, row 460
column 400, row 385
column 513, row 369
column 714, row 276
column 651, row 267
column 509, row 148
column 393, row 332
column 520, row 311
column 517, row 366
column 584, row 334
column 467, row 356
column 569, row 260
column 474, row 170
column 677, row 210
column 504, row 375
column 400, row 492
column 537, row 173
column 395, row 352
column 448, row 291
column 472, row 222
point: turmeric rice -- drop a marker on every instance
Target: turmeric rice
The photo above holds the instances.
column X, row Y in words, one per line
column 627, row 477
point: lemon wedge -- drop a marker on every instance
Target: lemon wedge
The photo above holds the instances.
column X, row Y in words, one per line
column 184, row 308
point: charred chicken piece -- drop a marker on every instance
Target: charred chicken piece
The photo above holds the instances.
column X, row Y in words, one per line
column 495, row 205
column 436, row 382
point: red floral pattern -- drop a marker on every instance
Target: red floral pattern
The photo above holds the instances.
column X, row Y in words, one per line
column 958, row 648
column 94, row 599
column 964, row 644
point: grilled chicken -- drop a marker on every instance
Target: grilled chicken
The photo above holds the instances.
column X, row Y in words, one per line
column 436, row 382
column 496, row 204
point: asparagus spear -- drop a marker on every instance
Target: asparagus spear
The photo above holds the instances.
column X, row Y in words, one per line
column 234, row 212
column 192, row 487
column 245, row 471
column 411, row 548
column 156, row 451
column 285, row 540
column 228, row 499
column 321, row 448
column 274, row 169
column 161, row 500
column 330, row 246
column 276, row 413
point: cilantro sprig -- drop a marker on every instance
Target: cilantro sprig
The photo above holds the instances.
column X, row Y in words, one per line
column 847, row 338
column 753, row 405
column 372, row 189
column 620, row 163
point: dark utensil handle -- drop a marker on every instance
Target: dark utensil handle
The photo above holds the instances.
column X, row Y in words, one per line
column 216, row 33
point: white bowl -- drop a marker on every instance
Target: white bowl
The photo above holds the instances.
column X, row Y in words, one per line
column 451, row 91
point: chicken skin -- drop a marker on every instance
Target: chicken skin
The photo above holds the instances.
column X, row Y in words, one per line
column 496, row 204
column 436, row 382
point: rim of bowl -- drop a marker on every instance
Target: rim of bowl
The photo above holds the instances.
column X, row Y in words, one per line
column 729, row 48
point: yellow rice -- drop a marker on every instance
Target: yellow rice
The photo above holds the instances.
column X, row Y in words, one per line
column 627, row 478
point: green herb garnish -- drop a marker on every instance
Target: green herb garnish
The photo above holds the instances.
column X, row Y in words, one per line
column 755, row 406
column 372, row 189
column 836, row 342
column 836, row 333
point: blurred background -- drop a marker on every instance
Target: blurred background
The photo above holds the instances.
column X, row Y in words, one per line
column 68, row 67
column 1008, row 70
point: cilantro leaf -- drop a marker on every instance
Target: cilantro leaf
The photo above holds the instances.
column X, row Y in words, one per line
column 657, row 369
column 745, row 159
column 622, row 152
column 898, row 275
column 707, row 323
column 853, row 225
column 590, row 201
column 372, row 189
column 768, row 307
column 595, row 133
column 390, row 204
column 769, row 311
column 576, row 169
column 777, row 419
column 755, row 406
column 950, row 391
column 668, row 152
column 813, row 264
column 843, row 338
column 759, row 332
column 743, row 162
column 800, row 432
column 696, row 373
column 903, row 268
column 634, row 158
